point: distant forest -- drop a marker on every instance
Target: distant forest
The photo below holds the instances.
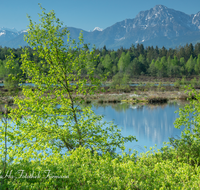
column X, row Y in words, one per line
column 135, row 61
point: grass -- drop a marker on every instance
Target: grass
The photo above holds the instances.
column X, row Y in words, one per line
column 146, row 94
column 138, row 96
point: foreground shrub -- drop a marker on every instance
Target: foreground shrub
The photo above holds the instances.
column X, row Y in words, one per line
column 83, row 170
column 188, row 146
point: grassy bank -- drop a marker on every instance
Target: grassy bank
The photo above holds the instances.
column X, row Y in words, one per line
column 136, row 94
column 150, row 93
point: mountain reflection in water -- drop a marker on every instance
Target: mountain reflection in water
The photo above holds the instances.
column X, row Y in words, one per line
column 149, row 123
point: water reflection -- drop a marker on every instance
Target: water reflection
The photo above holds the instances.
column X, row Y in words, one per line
column 150, row 124
column 144, row 84
column 132, row 84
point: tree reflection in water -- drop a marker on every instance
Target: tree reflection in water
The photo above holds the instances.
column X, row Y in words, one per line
column 151, row 124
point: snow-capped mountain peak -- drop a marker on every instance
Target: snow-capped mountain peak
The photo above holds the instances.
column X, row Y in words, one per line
column 158, row 26
column 7, row 34
column 98, row 29
column 159, row 7
column 2, row 33
column 8, row 29
column 24, row 31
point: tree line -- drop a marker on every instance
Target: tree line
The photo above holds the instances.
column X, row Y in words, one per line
column 160, row 62
column 135, row 61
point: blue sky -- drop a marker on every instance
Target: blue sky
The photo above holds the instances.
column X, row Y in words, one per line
column 85, row 14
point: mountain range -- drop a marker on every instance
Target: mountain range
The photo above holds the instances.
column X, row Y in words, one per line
column 159, row 26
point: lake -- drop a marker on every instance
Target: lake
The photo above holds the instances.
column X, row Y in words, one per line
column 150, row 124
column 132, row 84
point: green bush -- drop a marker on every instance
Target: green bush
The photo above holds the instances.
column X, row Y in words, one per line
column 183, row 81
column 194, row 82
column 83, row 170
column 188, row 146
column 9, row 83
column 162, row 89
column 177, row 83
column 120, row 82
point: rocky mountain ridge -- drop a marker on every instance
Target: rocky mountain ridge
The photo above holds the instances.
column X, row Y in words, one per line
column 159, row 26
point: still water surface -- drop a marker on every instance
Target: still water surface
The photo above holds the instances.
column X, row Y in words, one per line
column 133, row 84
column 150, row 124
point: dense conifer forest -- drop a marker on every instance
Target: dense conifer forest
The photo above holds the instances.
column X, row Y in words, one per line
column 135, row 61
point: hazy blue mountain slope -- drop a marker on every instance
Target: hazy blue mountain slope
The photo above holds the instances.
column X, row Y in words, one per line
column 159, row 26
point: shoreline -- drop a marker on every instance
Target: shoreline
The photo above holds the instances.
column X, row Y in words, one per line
column 139, row 97
column 134, row 94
